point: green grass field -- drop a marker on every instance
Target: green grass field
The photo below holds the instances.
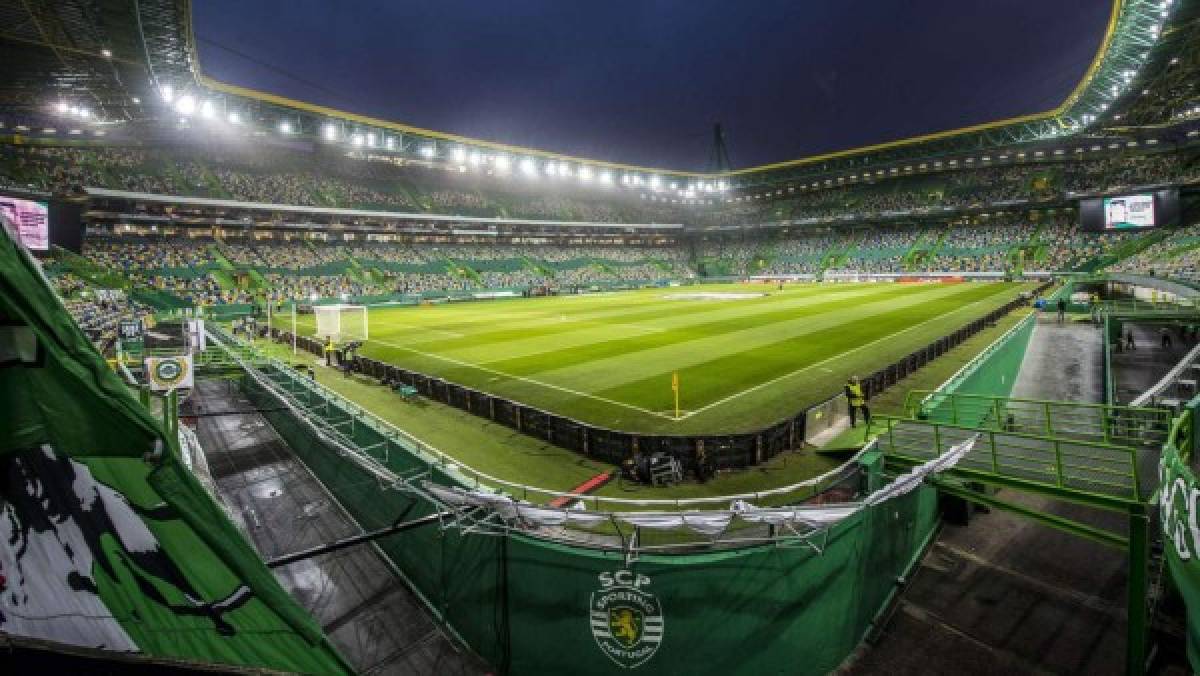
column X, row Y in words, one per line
column 608, row 359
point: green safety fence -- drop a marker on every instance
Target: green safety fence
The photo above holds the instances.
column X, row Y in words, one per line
column 992, row 372
column 528, row 605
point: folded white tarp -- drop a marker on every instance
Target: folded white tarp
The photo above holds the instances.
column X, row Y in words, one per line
column 808, row 517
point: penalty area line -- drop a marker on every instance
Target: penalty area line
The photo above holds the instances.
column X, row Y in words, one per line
column 551, row 386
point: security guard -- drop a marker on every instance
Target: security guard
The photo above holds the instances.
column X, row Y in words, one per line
column 857, row 400
column 329, row 351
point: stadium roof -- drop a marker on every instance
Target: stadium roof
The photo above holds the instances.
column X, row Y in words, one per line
column 117, row 56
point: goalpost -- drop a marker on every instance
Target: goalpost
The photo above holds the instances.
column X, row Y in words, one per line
column 341, row 322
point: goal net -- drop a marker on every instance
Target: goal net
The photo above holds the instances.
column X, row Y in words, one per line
column 341, row 322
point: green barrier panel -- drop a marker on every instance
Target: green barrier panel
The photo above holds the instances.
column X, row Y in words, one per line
column 992, row 372
column 1179, row 504
column 530, row 606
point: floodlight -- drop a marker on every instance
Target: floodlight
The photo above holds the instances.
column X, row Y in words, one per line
column 528, row 167
column 208, row 110
column 564, row 169
column 85, row 113
column 62, row 107
column 329, row 132
column 427, row 151
column 167, row 92
column 654, row 181
column 357, row 139
column 459, row 154
column 551, row 168
column 476, row 158
column 501, row 163
column 136, row 101
column 234, row 118
column 606, row 177
column 106, row 53
column 585, row 174
column 370, row 139
column 390, row 143
column 186, row 105
column 285, row 127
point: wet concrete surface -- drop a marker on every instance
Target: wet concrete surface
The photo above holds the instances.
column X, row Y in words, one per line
column 1006, row 594
column 370, row 615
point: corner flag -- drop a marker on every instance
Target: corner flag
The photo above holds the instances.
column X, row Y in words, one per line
column 675, row 389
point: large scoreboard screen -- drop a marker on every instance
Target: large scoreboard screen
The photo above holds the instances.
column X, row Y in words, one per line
column 1129, row 211
column 1135, row 211
column 30, row 219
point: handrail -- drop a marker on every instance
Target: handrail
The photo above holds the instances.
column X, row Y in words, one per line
column 1073, row 404
column 1167, row 380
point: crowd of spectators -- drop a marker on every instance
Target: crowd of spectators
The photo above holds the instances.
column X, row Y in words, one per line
column 1177, row 255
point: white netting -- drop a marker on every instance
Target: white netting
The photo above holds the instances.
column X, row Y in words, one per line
column 341, row 322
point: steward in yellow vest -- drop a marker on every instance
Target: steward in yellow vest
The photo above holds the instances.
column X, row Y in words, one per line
column 857, row 400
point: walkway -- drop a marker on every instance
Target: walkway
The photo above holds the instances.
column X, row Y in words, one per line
column 1007, row 595
column 356, row 596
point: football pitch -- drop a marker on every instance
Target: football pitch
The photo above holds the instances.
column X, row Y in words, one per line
column 746, row 355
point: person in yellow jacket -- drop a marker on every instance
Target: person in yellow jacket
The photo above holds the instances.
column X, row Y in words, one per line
column 329, row 351
column 856, row 397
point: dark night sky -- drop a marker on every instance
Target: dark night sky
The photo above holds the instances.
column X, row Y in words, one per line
column 642, row 82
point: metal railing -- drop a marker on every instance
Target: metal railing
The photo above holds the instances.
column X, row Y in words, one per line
column 1127, row 426
column 1106, row 472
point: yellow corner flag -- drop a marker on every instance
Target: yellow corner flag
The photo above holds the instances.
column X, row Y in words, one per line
column 675, row 389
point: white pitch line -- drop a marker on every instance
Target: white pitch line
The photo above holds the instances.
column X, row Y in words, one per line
column 527, row 380
column 452, row 334
column 826, row 361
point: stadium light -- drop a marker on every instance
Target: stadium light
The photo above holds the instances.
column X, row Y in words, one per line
column 476, row 158
column 106, row 53
column 459, row 154
column 370, row 139
column 168, row 93
column 529, row 168
column 62, row 107
column 234, row 118
column 186, row 105
column 207, row 110
column 551, row 168
column 136, row 101
column 654, row 182
column 564, row 169
column 606, row 177
column 285, row 127
column 357, row 139
column 585, row 174
column 85, row 113
column 501, row 163
column 427, row 151
column 329, row 131
column 390, row 143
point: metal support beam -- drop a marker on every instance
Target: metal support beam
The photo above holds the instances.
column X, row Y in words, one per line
column 356, row 540
column 1138, row 589
column 1098, row 535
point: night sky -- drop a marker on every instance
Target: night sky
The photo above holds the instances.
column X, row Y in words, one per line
column 642, row 82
